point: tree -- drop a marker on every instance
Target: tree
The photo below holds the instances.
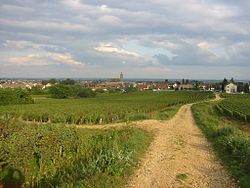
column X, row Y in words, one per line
column 183, row 81
column 59, row 91
column 85, row 92
column 246, row 88
column 36, row 90
column 240, row 86
column 224, row 83
column 68, row 82
column 232, row 80
column 51, row 81
column 130, row 88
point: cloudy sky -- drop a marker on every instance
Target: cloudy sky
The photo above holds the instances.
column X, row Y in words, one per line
column 200, row 39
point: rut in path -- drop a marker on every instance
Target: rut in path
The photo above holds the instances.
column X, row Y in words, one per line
column 179, row 156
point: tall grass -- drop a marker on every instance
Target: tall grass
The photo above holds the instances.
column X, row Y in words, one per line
column 232, row 146
column 59, row 156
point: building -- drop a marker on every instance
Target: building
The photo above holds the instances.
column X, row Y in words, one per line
column 230, row 88
column 186, row 86
column 121, row 77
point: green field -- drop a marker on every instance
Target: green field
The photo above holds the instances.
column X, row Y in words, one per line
column 236, row 106
column 104, row 108
column 230, row 143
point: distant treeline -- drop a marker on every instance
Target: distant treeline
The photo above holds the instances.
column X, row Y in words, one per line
column 61, row 91
column 67, row 81
column 15, row 96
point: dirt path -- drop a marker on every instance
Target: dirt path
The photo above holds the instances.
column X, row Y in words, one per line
column 179, row 156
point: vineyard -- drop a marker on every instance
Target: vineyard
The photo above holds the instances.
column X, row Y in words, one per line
column 236, row 106
column 102, row 109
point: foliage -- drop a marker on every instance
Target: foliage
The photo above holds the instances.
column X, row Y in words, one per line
column 224, row 83
column 55, row 155
column 60, row 91
column 51, row 81
column 36, row 90
column 68, row 82
column 232, row 146
column 105, row 107
column 246, row 88
column 14, row 96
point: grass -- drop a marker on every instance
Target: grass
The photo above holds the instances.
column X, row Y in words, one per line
column 231, row 145
column 181, row 177
column 58, row 156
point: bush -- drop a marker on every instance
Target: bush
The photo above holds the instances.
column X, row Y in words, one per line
column 36, row 90
column 59, row 91
column 64, row 91
column 84, row 92
column 15, row 96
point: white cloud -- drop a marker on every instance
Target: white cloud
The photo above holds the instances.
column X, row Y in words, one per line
column 43, row 59
column 110, row 48
column 26, row 60
column 63, row 58
column 22, row 44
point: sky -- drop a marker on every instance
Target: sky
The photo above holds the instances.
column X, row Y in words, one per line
column 192, row 39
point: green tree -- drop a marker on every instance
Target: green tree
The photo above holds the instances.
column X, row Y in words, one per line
column 36, row 90
column 59, row 91
column 183, row 81
column 240, row 86
column 246, row 88
column 68, row 82
column 224, row 83
column 51, row 81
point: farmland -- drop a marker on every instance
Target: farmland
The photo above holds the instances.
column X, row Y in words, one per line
column 104, row 108
column 236, row 106
column 54, row 155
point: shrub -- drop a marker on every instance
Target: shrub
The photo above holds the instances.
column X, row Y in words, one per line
column 59, row 91
column 15, row 96
column 64, row 91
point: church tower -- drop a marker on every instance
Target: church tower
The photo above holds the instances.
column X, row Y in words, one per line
column 121, row 77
